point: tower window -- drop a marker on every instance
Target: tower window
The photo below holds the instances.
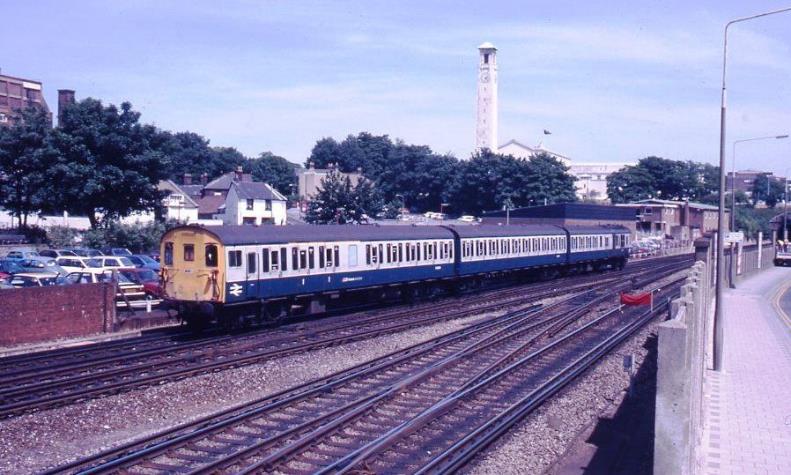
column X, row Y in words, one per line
column 485, row 58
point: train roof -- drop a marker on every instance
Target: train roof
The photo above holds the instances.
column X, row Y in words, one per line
column 240, row 235
column 492, row 230
column 573, row 230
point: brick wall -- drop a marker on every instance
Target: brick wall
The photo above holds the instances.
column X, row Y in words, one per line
column 47, row 313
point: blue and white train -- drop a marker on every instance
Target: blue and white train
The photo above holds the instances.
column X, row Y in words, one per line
column 233, row 273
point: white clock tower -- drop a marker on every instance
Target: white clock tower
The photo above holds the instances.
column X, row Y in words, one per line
column 486, row 128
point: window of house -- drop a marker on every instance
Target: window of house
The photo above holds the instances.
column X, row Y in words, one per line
column 189, row 252
column 234, row 258
column 250, row 204
column 268, row 205
column 265, row 260
column 486, row 58
column 251, row 264
column 168, row 254
column 352, row 255
column 248, row 221
column 211, row 255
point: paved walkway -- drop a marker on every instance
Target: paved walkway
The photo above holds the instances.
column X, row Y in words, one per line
column 748, row 406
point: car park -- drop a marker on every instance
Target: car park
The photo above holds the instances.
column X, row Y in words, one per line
column 129, row 293
column 144, row 261
column 77, row 264
column 55, row 253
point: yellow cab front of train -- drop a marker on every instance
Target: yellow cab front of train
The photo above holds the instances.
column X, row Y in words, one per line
column 192, row 260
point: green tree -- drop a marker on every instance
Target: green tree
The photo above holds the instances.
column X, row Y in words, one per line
column 25, row 157
column 655, row 177
column 188, row 152
column 108, row 164
column 275, row 170
column 338, row 202
column 767, row 189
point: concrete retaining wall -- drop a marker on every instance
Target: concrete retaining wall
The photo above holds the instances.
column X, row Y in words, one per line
column 37, row 314
column 682, row 358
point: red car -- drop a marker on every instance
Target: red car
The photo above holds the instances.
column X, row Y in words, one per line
column 145, row 277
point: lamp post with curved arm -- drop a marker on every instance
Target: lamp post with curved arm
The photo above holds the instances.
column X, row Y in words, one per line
column 718, row 331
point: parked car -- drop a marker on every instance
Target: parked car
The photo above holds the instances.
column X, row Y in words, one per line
column 129, row 293
column 19, row 254
column 77, row 264
column 55, row 253
column 27, row 279
column 8, row 267
column 116, row 251
column 85, row 252
column 42, row 264
column 145, row 277
column 114, row 262
column 143, row 261
column 468, row 219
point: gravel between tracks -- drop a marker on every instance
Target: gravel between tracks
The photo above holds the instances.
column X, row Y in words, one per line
column 542, row 438
column 33, row 442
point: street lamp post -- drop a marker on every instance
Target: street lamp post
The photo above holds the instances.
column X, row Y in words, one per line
column 718, row 332
column 785, row 204
column 733, row 173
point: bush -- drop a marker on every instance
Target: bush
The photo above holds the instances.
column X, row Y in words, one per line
column 138, row 238
column 62, row 236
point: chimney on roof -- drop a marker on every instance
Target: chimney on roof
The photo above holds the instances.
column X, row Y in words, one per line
column 204, row 178
column 186, row 179
column 65, row 99
column 238, row 174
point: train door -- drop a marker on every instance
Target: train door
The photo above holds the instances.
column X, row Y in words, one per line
column 252, row 275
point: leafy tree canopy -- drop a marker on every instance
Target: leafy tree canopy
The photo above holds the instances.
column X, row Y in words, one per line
column 337, row 201
column 107, row 163
column 660, row 178
column 768, row 190
column 25, row 158
column 275, row 170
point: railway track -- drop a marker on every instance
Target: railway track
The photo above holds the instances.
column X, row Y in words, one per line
column 65, row 382
column 391, row 414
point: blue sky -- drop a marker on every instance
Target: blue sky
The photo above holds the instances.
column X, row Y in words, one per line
column 613, row 81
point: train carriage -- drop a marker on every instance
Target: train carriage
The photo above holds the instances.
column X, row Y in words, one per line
column 272, row 268
column 596, row 246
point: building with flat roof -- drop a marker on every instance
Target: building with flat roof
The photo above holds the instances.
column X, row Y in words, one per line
column 16, row 94
column 565, row 214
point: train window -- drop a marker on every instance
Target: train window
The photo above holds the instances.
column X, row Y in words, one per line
column 387, row 255
column 189, row 252
column 168, row 253
column 251, row 262
column 408, row 255
column 434, row 251
column 234, row 258
column 211, row 255
column 400, row 252
column 312, row 257
column 303, row 259
column 381, row 253
column 417, row 248
column 337, row 252
column 294, row 258
column 283, row 259
column 368, row 254
column 321, row 257
column 273, row 260
column 352, row 255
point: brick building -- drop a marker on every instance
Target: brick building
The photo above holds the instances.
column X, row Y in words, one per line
column 17, row 94
column 681, row 219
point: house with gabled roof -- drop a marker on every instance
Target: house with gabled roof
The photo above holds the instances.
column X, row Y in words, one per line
column 253, row 203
